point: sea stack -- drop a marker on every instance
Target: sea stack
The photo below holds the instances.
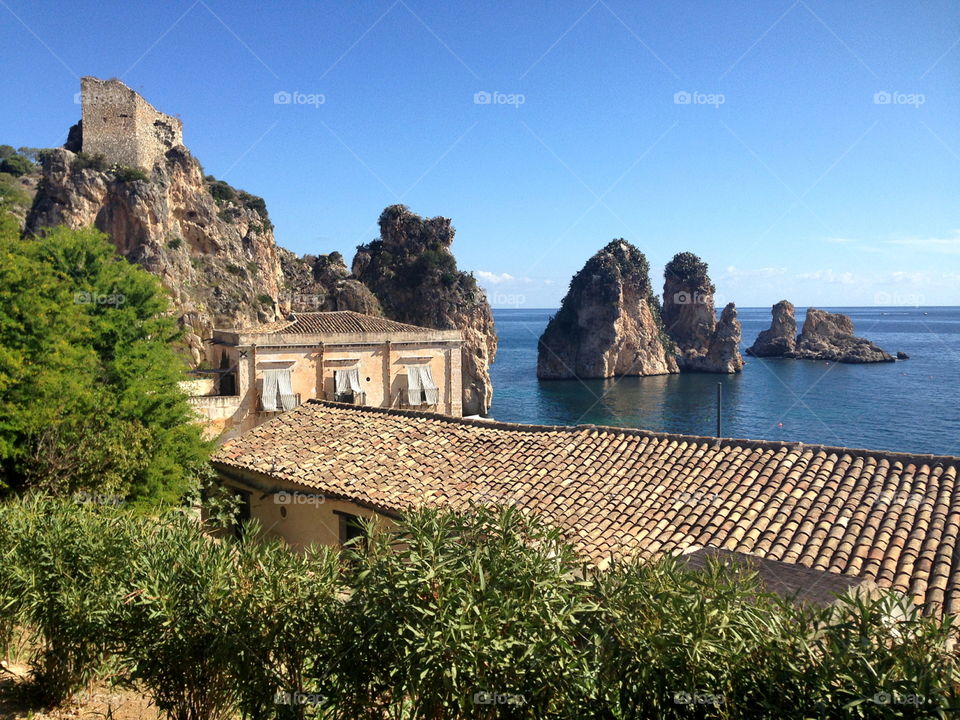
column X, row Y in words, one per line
column 609, row 322
column 825, row 336
column 781, row 338
column 829, row 336
column 689, row 318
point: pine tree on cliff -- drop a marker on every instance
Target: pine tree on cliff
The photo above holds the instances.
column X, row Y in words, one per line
column 609, row 322
column 414, row 275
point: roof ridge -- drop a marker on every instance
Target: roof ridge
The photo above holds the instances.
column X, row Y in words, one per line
column 642, row 432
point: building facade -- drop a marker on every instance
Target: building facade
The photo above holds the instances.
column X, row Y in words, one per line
column 339, row 356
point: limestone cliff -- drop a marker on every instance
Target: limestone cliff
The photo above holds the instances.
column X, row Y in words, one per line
column 689, row 318
column 323, row 282
column 210, row 245
column 609, row 322
column 412, row 272
column 781, row 337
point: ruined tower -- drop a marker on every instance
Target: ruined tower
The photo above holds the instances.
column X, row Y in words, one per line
column 123, row 127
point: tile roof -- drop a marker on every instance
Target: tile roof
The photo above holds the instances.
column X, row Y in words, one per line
column 892, row 518
column 790, row 580
column 339, row 321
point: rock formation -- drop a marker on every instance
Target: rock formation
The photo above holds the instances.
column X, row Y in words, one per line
column 609, row 322
column 781, row 338
column 689, row 318
column 413, row 274
column 211, row 246
column 829, row 336
column 825, row 336
column 323, row 282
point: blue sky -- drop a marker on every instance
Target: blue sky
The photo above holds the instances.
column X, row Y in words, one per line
column 807, row 150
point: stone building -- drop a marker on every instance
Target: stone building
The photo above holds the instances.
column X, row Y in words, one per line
column 341, row 356
column 123, row 127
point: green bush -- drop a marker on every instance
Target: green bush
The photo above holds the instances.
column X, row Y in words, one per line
column 122, row 173
column 16, row 165
column 85, row 161
column 435, row 618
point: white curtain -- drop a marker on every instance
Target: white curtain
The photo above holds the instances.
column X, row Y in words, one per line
column 285, row 385
column 414, row 390
column 347, row 381
column 268, row 396
column 353, row 378
column 430, row 390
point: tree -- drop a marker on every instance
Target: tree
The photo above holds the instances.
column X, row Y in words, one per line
column 88, row 375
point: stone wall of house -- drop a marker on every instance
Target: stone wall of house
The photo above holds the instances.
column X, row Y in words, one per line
column 123, row 127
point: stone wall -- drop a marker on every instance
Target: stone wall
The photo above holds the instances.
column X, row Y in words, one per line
column 123, row 127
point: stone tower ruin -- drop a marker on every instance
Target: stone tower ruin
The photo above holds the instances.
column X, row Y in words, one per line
column 123, row 127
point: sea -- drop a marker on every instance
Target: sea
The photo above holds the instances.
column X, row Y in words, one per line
column 909, row 406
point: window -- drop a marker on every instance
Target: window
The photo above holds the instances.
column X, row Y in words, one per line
column 351, row 527
column 421, row 389
column 347, row 386
column 277, row 393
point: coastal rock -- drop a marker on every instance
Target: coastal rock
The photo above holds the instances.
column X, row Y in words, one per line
column 323, row 283
column 781, row 338
column 609, row 322
column 829, row 336
column 211, row 246
column 689, row 318
column 413, row 274
column 902, row 355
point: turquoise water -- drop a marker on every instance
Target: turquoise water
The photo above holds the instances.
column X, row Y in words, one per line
column 911, row 406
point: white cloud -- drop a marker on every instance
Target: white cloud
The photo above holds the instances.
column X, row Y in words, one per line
column 829, row 276
column 735, row 273
column 494, row 278
column 946, row 245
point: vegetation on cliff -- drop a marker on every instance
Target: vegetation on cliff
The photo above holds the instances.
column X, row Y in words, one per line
column 484, row 614
column 609, row 322
column 88, row 374
column 414, row 275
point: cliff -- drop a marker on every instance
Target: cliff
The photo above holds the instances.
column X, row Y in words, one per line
column 412, row 272
column 322, row 283
column 825, row 336
column 702, row 343
column 210, row 245
column 781, row 337
column 609, row 322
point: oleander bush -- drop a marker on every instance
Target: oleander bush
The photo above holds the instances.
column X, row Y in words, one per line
column 486, row 614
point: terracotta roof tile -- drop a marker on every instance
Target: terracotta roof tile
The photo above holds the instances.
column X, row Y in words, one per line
column 339, row 321
column 891, row 518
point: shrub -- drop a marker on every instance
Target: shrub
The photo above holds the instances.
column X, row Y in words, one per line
column 16, row 165
column 59, row 578
column 221, row 191
column 265, row 299
column 174, row 243
column 122, row 173
column 452, row 606
column 84, row 161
